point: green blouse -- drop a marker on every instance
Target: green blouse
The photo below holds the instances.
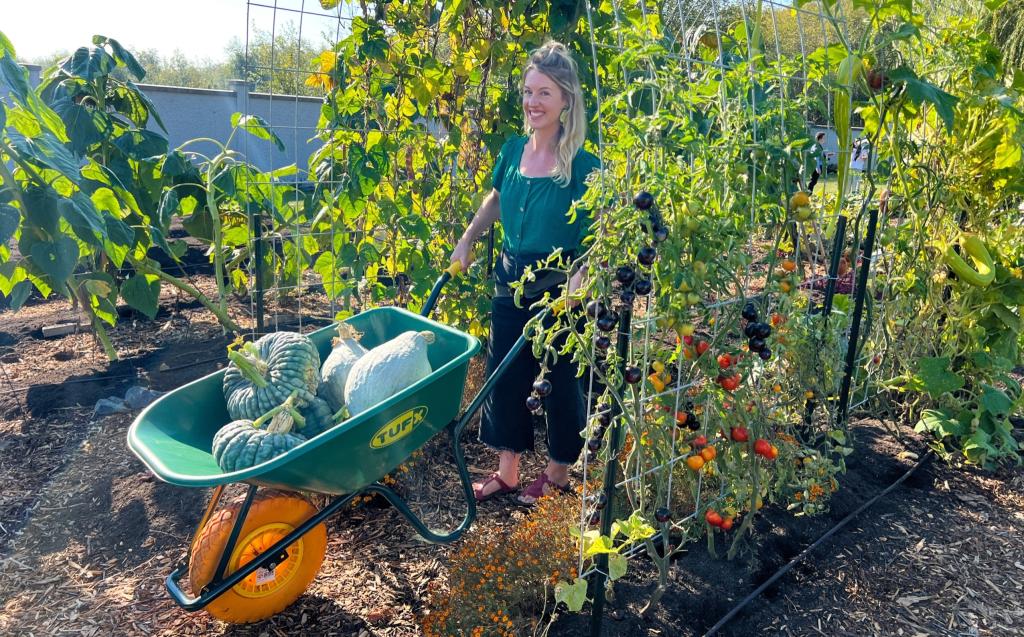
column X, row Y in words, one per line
column 534, row 210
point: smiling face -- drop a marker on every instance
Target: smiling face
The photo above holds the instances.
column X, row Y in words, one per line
column 543, row 101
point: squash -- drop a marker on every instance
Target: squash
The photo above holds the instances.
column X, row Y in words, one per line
column 387, row 369
column 264, row 373
column 319, row 417
column 241, row 444
column 346, row 351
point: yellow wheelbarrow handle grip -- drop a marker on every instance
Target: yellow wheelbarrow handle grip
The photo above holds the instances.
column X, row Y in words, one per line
column 454, row 269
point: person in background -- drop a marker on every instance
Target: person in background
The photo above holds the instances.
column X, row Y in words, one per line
column 537, row 178
column 818, row 152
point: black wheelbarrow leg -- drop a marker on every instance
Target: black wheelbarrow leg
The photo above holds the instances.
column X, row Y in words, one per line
column 455, row 429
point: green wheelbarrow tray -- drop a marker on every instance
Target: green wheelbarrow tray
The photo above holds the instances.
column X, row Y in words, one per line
column 174, row 435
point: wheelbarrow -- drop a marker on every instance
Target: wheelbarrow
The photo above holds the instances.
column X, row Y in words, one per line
column 251, row 559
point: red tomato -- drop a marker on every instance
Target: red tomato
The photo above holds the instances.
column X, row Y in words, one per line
column 724, row 361
column 714, row 518
column 739, row 434
column 762, row 447
column 726, row 524
column 700, row 441
column 702, row 346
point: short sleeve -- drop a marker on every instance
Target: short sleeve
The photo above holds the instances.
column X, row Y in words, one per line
column 586, row 164
column 501, row 165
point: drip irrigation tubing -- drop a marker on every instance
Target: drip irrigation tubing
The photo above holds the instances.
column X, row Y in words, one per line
column 807, row 551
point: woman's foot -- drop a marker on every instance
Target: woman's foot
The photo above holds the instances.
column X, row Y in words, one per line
column 542, row 486
column 493, row 487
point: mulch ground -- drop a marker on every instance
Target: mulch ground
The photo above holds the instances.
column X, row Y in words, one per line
column 87, row 534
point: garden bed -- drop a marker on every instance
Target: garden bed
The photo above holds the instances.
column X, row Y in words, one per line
column 89, row 534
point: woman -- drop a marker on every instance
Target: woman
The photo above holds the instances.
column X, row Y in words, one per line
column 536, row 180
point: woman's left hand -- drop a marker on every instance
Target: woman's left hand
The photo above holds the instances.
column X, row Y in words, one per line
column 575, row 281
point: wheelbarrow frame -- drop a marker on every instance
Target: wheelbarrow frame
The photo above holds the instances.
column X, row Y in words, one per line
column 277, row 553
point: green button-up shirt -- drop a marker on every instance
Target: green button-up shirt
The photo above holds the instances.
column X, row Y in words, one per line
column 534, row 210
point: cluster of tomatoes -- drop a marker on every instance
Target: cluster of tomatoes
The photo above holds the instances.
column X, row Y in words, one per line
column 716, row 519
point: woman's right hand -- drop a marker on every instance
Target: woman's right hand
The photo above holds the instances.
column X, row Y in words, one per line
column 462, row 254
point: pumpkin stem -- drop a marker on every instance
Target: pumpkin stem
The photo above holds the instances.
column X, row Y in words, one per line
column 282, row 417
column 247, row 360
column 346, row 331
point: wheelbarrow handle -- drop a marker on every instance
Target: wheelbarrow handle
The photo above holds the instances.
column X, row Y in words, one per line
column 450, row 273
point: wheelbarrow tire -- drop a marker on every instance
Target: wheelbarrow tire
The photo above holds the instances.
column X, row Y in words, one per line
column 273, row 515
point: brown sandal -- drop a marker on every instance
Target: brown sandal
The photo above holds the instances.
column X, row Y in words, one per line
column 541, row 487
column 503, row 488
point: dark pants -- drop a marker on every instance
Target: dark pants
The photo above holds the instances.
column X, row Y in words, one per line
column 814, row 180
column 507, row 424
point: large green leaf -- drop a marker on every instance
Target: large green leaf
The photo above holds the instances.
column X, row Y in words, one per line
column 120, row 239
column 143, row 293
column 89, row 62
column 85, row 220
column 20, row 294
column 940, row 424
column 7, row 47
column 936, row 378
column 995, row 401
column 121, row 55
column 15, row 77
column 10, row 218
column 141, row 144
column 920, row 91
column 41, row 209
column 48, row 151
column 57, row 259
column 84, row 126
column 257, row 127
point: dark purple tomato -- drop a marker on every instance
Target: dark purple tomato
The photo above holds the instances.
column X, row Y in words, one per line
column 595, row 518
column 660, row 234
column 749, row 330
column 591, row 457
column 533, row 403
column 625, row 274
column 607, row 322
column 749, row 312
column 604, row 417
column 594, row 444
column 643, row 200
column 647, row 255
column 595, row 309
column 603, row 342
column 762, row 330
column 542, row 387
column 643, row 287
column 600, row 501
column 627, row 297
column 632, row 374
column 662, row 515
column 756, row 344
column 765, row 354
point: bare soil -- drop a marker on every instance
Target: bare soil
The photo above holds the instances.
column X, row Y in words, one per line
column 87, row 534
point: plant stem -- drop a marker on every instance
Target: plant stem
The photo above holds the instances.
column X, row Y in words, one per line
column 221, row 313
column 98, row 330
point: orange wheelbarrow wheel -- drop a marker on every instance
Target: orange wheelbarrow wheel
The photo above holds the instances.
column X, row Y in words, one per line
column 264, row 593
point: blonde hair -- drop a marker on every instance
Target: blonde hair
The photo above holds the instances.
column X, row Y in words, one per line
column 554, row 60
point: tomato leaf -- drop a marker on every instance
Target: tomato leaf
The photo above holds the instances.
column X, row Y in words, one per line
column 920, row 91
column 257, row 127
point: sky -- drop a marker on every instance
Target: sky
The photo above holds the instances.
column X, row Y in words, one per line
column 201, row 29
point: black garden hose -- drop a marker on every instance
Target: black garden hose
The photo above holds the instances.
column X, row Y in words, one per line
column 807, row 551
